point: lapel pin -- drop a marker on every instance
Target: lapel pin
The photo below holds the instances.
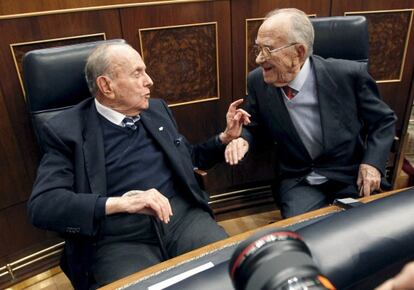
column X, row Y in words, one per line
column 160, row 128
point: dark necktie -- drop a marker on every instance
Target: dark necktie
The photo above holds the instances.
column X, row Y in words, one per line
column 289, row 92
column 129, row 122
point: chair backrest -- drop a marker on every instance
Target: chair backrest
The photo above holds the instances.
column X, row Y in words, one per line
column 344, row 37
column 54, row 79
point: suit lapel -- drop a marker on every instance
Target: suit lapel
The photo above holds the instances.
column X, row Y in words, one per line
column 329, row 105
column 160, row 132
column 94, row 152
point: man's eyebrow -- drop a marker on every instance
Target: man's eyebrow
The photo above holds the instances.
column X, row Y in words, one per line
column 255, row 42
column 139, row 69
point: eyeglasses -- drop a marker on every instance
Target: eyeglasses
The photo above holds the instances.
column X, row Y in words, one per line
column 266, row 51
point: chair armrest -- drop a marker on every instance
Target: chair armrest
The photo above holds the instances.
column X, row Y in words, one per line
column 201, row 176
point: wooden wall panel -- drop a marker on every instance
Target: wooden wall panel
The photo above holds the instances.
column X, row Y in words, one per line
column 20, row 233
column 196, row 120
column 199, row 118
column 13, row 174
column 388, row 33
column 20, row 239
column 259, row 167
column 8, row 7
column 4, row 249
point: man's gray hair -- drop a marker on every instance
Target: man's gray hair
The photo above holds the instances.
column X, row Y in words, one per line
column 98, row 64
column 301, row 28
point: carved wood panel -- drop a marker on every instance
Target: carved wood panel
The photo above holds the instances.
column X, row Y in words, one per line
column 388, row 40
column 182, row 61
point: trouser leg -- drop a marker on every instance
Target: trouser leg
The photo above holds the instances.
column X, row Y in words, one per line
column 190, row 228
column 116, row 260
column 299, row 197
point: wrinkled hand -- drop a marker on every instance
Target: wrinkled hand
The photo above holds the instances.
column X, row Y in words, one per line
column 403, row 281
column 369, row 179
column 236, row 150
column 235, row 119
column 150, row 202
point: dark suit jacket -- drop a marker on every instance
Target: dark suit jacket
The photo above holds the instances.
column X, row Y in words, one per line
column 72, row 176
column 357, row 126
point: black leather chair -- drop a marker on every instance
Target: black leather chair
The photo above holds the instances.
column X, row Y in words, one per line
column 54, row 80
column 344, row 37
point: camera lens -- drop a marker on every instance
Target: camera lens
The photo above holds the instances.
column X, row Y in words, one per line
column 275, row 259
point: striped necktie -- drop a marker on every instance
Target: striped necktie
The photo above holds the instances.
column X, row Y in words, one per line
column 129, row 122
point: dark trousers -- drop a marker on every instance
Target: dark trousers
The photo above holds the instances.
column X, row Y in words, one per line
column 129, row 242
column 296, row 196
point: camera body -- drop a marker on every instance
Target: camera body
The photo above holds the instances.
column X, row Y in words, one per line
column 275, row 259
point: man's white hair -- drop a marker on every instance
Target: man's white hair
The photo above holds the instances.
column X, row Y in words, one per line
column 301, row 29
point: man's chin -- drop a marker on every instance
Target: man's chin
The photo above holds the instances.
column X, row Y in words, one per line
column 268, row 76
column 271, row 80
column 268, row 79
column 145, row 106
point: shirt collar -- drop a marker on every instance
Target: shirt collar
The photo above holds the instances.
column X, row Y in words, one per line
column 112, row 115
column 300, row 79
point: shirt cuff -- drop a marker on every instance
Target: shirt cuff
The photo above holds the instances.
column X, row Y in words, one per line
column 218, row 142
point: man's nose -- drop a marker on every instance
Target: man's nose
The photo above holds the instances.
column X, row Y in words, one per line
column 148, row 81
column 260, row 58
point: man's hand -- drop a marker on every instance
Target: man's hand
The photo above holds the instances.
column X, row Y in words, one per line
column 369, row 179
column 235, row 119
column 236, row 150
column 150, row 202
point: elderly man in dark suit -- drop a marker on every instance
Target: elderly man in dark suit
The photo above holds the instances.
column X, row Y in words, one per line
column 117, row 178
column 332, row 129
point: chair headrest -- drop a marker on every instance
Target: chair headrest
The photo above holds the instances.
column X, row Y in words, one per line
column 344, row 37
column 54, row 77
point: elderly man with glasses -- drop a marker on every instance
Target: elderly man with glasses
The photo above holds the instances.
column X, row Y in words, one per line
column 333, row 130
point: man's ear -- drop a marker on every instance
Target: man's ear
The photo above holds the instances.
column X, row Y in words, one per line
column 105, row 86
column 301, row 50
